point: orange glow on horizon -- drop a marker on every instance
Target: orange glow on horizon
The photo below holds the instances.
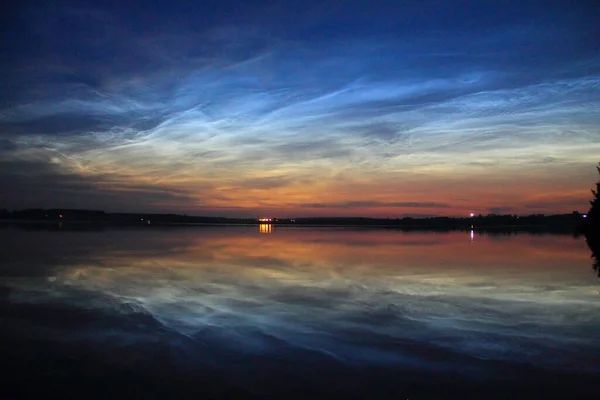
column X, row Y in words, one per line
column 412, row 192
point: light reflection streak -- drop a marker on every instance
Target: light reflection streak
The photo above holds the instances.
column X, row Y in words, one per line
column 265, row 228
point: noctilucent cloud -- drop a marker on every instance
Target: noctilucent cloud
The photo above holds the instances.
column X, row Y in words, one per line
column 297, row 108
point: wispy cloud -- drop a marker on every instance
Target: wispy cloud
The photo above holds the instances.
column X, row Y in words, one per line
column 375, row 204
column 243, row 107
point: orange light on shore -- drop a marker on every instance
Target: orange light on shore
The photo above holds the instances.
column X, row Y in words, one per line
column 264, row 220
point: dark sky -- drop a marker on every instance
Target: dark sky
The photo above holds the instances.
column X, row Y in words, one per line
column 381, row 108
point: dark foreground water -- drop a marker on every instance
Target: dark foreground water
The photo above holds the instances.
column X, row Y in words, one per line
column 294, row 312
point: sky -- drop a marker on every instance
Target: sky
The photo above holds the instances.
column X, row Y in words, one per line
column 300, row 108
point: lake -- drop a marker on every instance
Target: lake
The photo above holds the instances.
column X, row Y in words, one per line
column 272, row 311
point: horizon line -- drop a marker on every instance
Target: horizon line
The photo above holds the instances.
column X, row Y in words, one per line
column 271, row 218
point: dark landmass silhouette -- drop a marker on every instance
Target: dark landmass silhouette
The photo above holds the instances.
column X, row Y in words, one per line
column 537, row 222
column 591, row 226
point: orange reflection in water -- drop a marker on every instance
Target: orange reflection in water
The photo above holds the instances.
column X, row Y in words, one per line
column 426, row 263
column 351, row 250
column 265, row 228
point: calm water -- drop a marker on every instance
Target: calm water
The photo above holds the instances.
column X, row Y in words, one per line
column 279, row 311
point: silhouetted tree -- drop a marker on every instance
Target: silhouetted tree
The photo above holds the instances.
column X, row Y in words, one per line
column 592, row 227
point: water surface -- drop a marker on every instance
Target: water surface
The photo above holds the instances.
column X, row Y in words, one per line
column 260, row 311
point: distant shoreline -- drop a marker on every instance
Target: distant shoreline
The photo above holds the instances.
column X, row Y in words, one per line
column 572, row 223
column 100, row 225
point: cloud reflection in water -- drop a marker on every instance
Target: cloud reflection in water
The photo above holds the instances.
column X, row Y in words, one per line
column 360, row 297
